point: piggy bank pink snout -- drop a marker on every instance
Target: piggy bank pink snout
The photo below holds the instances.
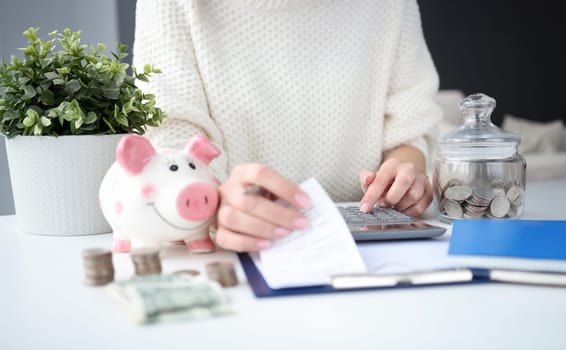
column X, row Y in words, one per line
column 197, row 201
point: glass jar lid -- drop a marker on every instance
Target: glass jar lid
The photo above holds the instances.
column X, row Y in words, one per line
column 478, row 138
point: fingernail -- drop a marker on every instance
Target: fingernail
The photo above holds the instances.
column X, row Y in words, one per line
column 281, row 232
column 303, row 200
column 263, row 244
column 364, row 207
column 300, row 223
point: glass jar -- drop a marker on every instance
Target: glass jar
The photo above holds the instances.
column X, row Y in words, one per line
column 478, row 172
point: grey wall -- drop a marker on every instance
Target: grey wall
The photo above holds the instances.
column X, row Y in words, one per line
column 511, row 50
column 98, row 21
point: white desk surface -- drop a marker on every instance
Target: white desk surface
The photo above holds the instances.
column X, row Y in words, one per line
column 46, row 306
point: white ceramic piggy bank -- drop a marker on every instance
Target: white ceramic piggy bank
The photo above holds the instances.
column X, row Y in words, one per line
column 150, row 197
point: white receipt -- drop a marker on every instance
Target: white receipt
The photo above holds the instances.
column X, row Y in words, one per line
column 310, row 257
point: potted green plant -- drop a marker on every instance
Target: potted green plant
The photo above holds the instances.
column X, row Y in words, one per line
column 63, row 109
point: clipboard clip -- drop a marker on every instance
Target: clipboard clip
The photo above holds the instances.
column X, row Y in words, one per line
column 423, row 277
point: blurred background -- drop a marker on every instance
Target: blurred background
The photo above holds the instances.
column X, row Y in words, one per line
column 513, row 51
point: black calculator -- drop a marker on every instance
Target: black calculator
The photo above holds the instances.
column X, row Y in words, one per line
column 385, row 224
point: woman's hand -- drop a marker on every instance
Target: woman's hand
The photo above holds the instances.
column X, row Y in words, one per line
column 248, row 222
column 396, row 184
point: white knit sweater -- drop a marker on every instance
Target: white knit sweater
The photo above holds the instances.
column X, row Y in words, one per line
column 310, row 87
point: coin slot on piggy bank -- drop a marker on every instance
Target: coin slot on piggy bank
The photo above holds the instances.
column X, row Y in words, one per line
column 478, row 172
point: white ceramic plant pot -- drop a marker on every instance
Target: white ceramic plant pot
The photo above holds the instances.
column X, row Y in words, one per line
column 55, row 181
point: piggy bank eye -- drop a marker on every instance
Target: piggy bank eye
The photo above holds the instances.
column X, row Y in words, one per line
column 173, row 167
column 192, row 165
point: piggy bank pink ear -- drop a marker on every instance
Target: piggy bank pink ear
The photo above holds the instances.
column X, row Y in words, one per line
column 202, row 149
column 133, row 152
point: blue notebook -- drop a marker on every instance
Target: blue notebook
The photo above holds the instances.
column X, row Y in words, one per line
column 526, row 245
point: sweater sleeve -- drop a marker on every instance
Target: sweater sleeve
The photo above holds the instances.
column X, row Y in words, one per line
column 411, row 114
column 163, row 39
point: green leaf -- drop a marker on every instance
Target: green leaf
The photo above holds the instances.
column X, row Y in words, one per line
column 37, row 129
column 29, row 122
column 143, row 77
column 45, row 121
column 109, row 125
column 64, row 70
column 47, row 98
column 29, row 92
column 23, row 80
column 31, row 118
column 73, row 86
column 91, row 59
column 31, row 34
column 9, row 116
column 112, row 93
column 122, row 47
column 90, row 117
column 121, row 119
column 51, row 75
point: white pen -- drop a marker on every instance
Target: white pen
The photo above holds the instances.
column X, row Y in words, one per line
column 256, row 190
column 446, row 275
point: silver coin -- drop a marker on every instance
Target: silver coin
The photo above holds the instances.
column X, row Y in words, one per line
column 514, row 193
column 453, row 209
column 480, row 197
column 450, row 183
column 458, row 193
column 498, row 183
column 500, row 206
column 499, row 191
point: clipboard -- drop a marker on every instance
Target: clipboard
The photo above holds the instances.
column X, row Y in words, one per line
column 429, row 252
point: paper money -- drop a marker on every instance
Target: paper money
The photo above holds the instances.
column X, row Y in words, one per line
column 166, row 297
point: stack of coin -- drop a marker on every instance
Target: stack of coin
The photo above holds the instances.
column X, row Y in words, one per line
column 146, row 261
column 98, row 266
column 476, row 206
column 222, row 272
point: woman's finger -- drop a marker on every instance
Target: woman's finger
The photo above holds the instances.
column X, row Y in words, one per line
column 238, row 221
column 268, row 179
column 236, row 202
column 239, row 242
column 418, row 209
column 366, row 178
column 380, row 184
column 413, row 194
column 404, row 179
